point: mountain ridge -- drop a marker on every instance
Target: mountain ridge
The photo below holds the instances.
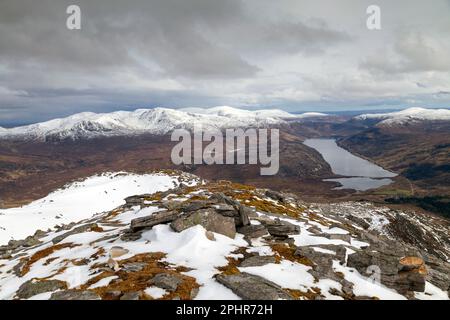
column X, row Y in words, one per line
column 406, row 116
column 157, row 121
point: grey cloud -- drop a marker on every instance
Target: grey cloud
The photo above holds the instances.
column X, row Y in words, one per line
column 162, row 32
column 412, row 52
column 174, row 53
column 194, row 39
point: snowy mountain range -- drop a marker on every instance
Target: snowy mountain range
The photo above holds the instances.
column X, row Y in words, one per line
column 409, row 115
column 152, row 121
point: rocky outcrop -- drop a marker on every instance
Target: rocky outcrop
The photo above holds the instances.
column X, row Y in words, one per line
column 438, row 272
column 218, row 213
column 396, row 270
column 270, row 227
column 28, row 242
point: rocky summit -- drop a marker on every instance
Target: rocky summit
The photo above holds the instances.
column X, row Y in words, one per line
column 222, row 240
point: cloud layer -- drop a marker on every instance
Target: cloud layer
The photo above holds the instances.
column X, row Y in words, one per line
column 292, row 54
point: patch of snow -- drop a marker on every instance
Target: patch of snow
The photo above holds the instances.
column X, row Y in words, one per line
column 192, row 249
column 155, row 292
column 432, row 293
column 78, row 201
column 103, row 282
column 363, row 286
column 292, row 275
column 336, row 230
column 322, row 250
column 41, row 296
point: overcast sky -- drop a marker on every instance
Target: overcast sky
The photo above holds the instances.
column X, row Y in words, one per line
column 290, row 54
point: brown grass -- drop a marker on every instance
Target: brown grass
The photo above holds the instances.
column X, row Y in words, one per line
column 140, row 280
column 231, row 267
column 59, row 271
column 49, row 260
column 44, row 253
column 97, row 229
column 113, row 214
column 233, row 263
column 311, row 294
column 98, row 253
column 285, row 251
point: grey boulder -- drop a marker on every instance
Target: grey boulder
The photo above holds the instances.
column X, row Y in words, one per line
column 251, row 287
column 209, row 219
column 75, row 295
column 34, row 287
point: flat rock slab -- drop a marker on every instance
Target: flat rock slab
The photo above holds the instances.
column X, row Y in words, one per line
column 209, row 219
column 77, row 230
column 338, row 236
column 253, row 231
column 257, row 261
column 75, row 295
column 153, row 220
column 279, row 228
column 166, row 281
column 251, row 287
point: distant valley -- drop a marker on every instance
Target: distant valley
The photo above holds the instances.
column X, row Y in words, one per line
column 36, row 159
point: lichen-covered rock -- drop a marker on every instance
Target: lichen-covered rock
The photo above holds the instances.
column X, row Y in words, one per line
column 34, row 287
column 256, row 261
column 412, row 263
column 253, row 231
column 209, row 219
column 131, row 296
column 338, row 236
column 280, row 228
column 244, row 213
column 195, row 205
column 438, row 272
column 275, row 195
column 75, row 295
column 77, row 230
column 251, row 287
column 166, row 281
column 391, row 270
column 153, row 220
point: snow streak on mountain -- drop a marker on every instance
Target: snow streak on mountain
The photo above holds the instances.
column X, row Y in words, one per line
column 157, row 121
column 408, row 116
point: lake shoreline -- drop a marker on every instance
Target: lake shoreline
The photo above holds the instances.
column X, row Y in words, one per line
column 350, row 171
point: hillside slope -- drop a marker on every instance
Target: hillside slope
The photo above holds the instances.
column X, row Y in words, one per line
column 220, row 240
column 419, row 151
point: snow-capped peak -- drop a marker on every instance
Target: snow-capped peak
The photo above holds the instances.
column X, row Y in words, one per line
column 151, row 121
column 408, row 115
